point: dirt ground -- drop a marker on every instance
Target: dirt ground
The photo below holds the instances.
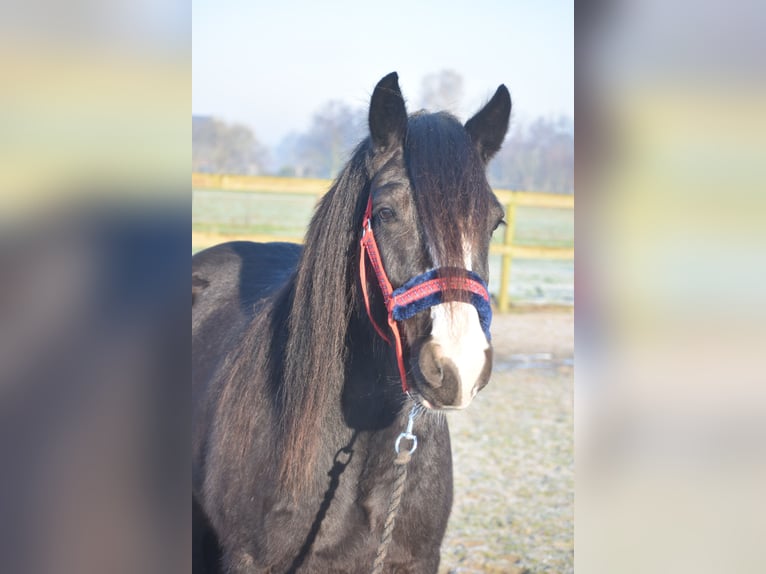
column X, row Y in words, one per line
column 513, row 454
column 528, row 331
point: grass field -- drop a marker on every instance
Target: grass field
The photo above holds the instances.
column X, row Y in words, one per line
column 532, row 281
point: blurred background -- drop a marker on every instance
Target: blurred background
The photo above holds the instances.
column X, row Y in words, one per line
column 94, row 211
column 670, row 336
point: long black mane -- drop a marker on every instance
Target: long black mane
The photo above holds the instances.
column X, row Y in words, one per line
column 323, row 298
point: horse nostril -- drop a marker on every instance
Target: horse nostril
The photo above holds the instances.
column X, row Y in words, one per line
column 431, row 366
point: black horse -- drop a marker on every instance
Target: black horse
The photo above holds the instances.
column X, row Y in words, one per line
column 298, row 398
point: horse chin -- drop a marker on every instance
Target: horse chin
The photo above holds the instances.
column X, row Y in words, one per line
column 430, row 402
column 421, row 400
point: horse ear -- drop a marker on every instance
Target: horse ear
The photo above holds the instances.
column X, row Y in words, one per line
column 388, row 116
column 489, row 126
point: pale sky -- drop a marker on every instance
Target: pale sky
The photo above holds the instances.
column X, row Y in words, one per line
column 272, row 64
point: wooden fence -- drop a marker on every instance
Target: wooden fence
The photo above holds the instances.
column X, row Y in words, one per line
column 317, row 187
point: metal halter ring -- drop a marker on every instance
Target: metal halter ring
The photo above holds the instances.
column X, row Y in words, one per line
column 409, row 436
column 408, row 432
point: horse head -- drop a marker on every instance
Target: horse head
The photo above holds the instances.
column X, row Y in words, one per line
column 432, row 213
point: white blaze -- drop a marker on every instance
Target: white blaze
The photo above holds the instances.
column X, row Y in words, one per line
column 467, row 255
column 457, row 330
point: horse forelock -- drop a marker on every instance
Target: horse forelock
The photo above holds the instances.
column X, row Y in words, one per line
column 449, row 188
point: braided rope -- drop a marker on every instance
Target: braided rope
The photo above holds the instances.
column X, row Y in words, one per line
column 401, row 461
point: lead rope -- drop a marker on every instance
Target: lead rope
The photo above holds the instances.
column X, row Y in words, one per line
column 400, row 462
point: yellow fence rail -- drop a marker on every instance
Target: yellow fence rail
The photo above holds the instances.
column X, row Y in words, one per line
column 317, row 187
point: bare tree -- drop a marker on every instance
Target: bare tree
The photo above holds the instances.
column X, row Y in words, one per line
column 537, row 157
column 324, row 148
column 442, row 91
column 220, row 147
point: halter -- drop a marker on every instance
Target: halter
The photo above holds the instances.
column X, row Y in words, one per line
column 418, row 294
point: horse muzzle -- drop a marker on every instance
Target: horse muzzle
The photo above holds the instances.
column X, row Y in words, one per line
column 455, row 361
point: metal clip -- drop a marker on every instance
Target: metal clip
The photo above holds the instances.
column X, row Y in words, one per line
column 407, row 434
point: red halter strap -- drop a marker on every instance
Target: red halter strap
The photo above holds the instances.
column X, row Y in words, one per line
column 416, row 295
column 369, row 248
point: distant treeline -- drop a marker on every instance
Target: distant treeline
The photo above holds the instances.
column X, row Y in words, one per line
column 537, row 155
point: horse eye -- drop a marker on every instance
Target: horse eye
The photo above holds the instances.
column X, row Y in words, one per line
column 498, row 224
column 386, row 214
